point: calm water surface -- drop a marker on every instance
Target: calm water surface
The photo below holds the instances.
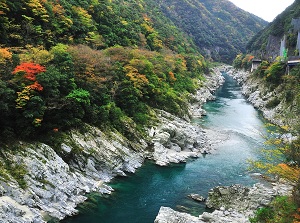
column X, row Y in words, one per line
column 138, row 197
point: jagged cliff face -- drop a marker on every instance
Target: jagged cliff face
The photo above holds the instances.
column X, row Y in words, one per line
column 219, row 28
column 52, row 186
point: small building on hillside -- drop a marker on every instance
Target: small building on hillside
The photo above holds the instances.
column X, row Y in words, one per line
column 292, row 62
column 255, row 64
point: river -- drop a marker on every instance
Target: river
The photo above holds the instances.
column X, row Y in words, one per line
column 138, row 197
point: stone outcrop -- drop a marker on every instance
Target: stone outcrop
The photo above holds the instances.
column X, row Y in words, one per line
column 235, row 203
column 57, row 179
column 206, row 92
column 54, row 186
column 175, row 139
column 197, row 197
column 168, row 215
column 246, row 199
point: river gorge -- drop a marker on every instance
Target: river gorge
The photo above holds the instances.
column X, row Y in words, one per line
column 237, row 131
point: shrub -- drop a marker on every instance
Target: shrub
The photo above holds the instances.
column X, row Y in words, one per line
column 275, row 72
column 281, row 210
column 273, row 103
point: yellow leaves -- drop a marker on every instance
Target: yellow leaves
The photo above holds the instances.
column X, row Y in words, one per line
column 23, row 97
column 285, row 127
column 146, row 18
column 3, row 8
column 260, row 165
column 139, row 80
column 287, row 172
column 200, row 63
column 83, row 18
column 38, row 9
column 147, row 28
column 146, row 25
column 283, row 170
column 110, row 8
column 5, row 55
column 124, row 22
column 36, row 55
column 37, row 122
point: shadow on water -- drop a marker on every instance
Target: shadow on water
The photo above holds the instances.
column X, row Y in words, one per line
column 138, row 197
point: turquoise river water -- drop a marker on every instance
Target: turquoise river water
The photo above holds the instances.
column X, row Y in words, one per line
column 138, row 197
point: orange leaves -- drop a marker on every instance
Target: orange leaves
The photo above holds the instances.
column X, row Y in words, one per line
column 172, row 76
column 30, row 70
column 250, row 58
column 58, row 9
column 139, row 80
column 288, row 172
column 297, row 216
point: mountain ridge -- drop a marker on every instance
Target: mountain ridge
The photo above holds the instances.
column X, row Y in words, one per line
column 107, row 23
column 217, row 27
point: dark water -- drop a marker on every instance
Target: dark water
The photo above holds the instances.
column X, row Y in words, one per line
column 138, row 197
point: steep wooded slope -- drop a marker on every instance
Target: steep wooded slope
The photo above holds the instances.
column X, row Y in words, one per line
column 100, row 24
column 280, row 26
column 71, row 61
column 219, row 28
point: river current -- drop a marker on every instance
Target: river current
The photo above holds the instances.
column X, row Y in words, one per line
column 138, row 197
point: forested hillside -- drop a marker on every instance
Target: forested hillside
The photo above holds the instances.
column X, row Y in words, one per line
column 107, row 63
column 100, row 24
column 64, row 63
column 281, row 25
column 219, row 28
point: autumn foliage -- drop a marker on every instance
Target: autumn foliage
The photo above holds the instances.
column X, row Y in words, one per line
column 30, row 70
column 288, row 172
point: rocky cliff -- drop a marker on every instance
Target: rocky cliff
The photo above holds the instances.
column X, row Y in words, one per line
column 41, row 184
column 234, row 203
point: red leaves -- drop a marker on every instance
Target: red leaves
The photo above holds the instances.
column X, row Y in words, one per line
column 31, row 70
column 36, row 86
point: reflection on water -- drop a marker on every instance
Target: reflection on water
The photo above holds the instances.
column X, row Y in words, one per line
column 138, row 197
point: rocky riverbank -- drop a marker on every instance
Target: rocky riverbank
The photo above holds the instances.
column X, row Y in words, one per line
column 271, row 102
column 175, row 139
column 41, row 182
column 237, row 203
column 234, row 203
